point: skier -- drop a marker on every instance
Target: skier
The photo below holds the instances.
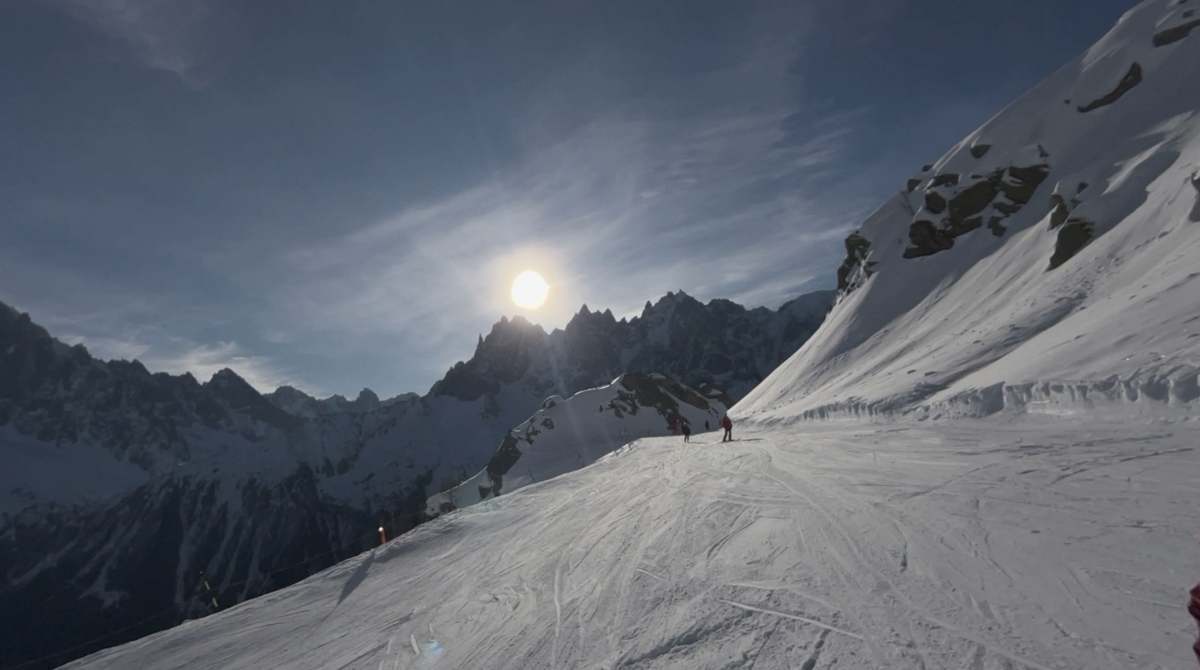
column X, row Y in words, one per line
column 728, row 426
column 687, row 431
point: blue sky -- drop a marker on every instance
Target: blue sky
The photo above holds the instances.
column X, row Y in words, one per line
column 338, row 194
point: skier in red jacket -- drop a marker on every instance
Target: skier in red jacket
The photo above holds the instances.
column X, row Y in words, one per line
column 728, row 426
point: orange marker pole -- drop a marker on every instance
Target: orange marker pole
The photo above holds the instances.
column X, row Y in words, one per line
column 382, row 536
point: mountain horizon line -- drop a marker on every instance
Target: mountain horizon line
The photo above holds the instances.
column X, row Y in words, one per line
column 366, row 395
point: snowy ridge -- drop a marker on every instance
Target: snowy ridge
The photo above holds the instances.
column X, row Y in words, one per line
column 1051, row 244
column 566, row 435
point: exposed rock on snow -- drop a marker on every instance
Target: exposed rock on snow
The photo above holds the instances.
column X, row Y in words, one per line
column 1132, row 78
column 1073, row 235
column 1177, row 25
column 967, row 207
column 982, row 311
column 979, row 149
column 566, row 435
column 857, row 251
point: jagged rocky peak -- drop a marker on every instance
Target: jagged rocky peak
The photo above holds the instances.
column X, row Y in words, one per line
column 721, row 343
column 226, row 383
column 296, row 402
column 287, row 394
column 669, row 303
column 586, row 315
column 241, row 397
column 300, row 404
column 500, row 358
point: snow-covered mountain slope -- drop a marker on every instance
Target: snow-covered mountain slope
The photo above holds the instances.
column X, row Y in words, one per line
column 1050, row 258
column 565, row 435
column 983, row 544
column 119, row 487
column 1049, row 261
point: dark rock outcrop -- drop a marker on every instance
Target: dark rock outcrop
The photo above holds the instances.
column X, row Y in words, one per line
column 1072, row 236
column 1132, row 78
column 1004, row 191
column 1074, row 231
column 927, row 239
column 501, row 358
column 857, row 248
column 934, row 202
column 1177, row 32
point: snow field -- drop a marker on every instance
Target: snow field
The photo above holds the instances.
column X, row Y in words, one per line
column 975, row 544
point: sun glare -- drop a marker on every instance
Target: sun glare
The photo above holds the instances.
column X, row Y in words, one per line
column 529, row 290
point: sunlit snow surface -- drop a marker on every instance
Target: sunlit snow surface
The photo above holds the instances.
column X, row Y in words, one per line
column 1059, row 531
column 983, row 544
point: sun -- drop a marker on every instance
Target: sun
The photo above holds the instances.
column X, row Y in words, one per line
column 529, row 290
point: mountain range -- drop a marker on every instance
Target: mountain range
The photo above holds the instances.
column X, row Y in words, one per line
column 133, row 500
column 983, row 458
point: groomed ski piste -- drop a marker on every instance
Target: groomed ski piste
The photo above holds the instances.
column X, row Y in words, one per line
column 565, row 435
column 980, row 461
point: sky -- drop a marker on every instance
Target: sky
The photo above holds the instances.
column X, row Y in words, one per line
column 338, row 195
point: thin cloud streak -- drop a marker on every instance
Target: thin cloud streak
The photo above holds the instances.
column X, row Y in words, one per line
column 577, row 213
column 161, row 33
column 202, row 361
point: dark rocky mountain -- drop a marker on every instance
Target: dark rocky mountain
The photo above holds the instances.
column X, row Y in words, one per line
column 720, row 344
column 131, row 500
column 298, row 403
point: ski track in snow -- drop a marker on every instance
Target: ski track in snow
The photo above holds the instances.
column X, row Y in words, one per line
column 981, row 544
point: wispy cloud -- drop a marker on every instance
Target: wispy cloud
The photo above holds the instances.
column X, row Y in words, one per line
column 178, row 356
column 621, row 210
column 162, row 33
column 205, row 360
column 128, row 333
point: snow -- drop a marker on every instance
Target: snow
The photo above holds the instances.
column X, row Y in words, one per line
column 938, row 330
column 70, row 474
column 981, row 544
column 1004, row 476
column 565, row 435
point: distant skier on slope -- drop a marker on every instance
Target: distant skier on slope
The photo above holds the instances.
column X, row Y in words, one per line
column 687, row 431
column 728, row 426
